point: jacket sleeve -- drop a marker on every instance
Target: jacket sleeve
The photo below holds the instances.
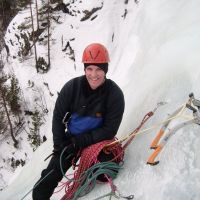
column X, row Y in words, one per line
column 112, row 119
column 62, row 106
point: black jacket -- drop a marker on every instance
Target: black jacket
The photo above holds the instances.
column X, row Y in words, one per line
column 77, row 96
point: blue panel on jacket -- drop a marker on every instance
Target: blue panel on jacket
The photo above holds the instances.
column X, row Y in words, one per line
column 81, row 124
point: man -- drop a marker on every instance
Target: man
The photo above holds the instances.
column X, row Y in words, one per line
column 94, row 107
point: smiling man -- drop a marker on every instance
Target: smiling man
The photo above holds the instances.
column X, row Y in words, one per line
column 92, row 107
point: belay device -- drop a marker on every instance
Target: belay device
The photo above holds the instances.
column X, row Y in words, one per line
column 192, row 104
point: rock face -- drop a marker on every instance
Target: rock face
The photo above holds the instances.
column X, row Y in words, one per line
column 8, row 9
column 1, row 34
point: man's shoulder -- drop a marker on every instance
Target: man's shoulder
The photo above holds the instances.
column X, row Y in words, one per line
column 115, row 95
column 76, row 79
column 113, row 85
column 73, row 81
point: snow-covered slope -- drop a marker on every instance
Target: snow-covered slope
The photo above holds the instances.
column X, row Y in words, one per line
column 154, row 57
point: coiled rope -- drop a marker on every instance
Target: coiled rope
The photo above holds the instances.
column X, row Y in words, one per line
column 89, row 169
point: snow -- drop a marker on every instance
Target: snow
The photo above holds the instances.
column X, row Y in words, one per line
column 154, row 54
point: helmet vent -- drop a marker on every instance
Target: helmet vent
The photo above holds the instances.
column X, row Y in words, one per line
column 94, row 58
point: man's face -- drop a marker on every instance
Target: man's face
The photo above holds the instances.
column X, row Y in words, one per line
column 95, row 76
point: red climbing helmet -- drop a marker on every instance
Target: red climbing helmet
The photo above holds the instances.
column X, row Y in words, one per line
column 95, row 53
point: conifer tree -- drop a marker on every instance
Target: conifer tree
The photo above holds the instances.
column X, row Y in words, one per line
column 13, row 96
column 34, row 135
column 4, row 103
column 48, row 30
column 33, row 34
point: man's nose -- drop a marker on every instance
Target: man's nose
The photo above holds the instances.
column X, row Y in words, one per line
column 93, row 73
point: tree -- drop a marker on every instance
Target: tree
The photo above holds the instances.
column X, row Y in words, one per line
column 4, row 103
column 34, row 135
column 33, row 34
column 3, row 126
column 13, row 96
column 36, row 6
column 48, row 31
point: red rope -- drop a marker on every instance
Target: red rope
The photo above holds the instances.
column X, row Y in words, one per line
column 88, row 158
column 133, row 134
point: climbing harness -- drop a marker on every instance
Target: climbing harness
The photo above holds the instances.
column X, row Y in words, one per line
column 193, row 105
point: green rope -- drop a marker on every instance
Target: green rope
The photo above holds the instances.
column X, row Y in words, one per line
column 91, row 175
column 89, row 178
column 61, row 167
